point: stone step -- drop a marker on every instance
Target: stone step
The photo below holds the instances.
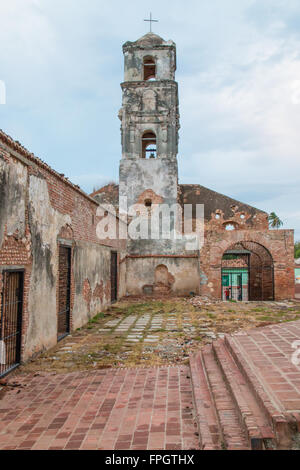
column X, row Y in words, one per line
column 232, row 431
column 246, row 390
column 208, row 425
column 281, row 423
column 254, row 419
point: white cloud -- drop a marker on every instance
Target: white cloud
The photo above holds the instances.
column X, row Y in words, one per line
column 247, row 115
column 90, row 180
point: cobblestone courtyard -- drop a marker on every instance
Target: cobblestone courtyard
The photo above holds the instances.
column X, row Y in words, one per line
column 158, row 332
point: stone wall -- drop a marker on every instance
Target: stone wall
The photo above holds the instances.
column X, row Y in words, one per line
column 39, row 211
column 162, row 275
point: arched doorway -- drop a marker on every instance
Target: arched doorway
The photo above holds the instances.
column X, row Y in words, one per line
column 247, row 273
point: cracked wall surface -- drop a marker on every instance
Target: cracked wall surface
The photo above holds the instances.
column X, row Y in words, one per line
column 143, row 272
column 13, row 181
column 39, row 211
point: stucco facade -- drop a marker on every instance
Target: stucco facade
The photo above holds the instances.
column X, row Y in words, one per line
column 40, row 211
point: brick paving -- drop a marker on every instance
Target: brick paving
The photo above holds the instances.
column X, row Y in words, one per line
column 240, row 392
column 132, row 409
column 247, row 389
column 268, row 352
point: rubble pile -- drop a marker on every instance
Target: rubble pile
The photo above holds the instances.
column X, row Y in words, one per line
column 202, row 301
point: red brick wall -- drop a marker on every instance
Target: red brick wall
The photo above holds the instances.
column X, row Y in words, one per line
column 66, row 200
column 279, row 243
column 241, row 262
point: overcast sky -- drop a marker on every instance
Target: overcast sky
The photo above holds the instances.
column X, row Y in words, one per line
column 239, row 87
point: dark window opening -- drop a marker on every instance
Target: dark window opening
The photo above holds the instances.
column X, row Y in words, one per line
column 148, row 203
column 114, row 276
column 11, row 321
column 149, row 68
column 149, row 149
column 64, row 291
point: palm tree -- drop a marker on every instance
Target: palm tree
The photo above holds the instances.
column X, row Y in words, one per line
column 274, row 221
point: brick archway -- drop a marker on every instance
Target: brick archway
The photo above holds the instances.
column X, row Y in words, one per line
column 251, row 266
column 278, row 243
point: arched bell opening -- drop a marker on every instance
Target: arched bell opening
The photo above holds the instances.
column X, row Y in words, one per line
column 149, row 66
column 149, row 148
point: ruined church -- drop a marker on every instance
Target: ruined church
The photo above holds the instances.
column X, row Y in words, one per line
column 56, row 272
column 240, row 259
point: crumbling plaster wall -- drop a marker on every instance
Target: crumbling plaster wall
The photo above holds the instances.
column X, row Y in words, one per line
column 150, row 106
column 90, row 269
column 13, row 183
column 91, row 264
column 45, row 224
column 122, row 275
column 38, row 210
column 165, row 59
column 15, row 238
column 140, row 272
column 157, row 175
column 140, row 178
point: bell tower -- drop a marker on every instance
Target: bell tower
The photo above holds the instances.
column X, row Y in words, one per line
column 149, row 122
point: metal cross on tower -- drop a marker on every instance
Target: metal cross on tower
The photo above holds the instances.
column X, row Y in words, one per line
column 151, row 21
